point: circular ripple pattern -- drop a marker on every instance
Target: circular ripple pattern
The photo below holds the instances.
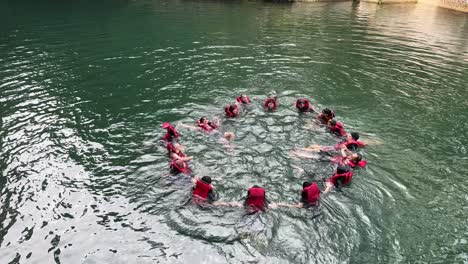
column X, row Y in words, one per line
column 85, row 86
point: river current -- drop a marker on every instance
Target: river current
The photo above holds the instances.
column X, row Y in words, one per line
column 86, row 85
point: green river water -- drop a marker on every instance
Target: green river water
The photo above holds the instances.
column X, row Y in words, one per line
column 85, row 86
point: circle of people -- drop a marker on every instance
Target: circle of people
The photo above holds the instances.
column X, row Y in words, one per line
column 203, row 190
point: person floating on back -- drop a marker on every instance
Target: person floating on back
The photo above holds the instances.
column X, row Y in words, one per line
column 203, row 190
column 171, row 133
column 349, row 158
column 231, row 110
column 341, row 177
column 352, row 143
column 206, row 125
column 270, row 104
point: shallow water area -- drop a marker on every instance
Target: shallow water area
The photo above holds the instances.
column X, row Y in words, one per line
column 84, row 88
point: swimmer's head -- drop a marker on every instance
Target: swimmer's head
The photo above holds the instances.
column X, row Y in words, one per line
column 328, row 113
column 301, row 103
column 342, row 169
column 229, row 135
column 178, row 147
column 203, row 120
column 244, row 98
column 356, row 157
column 206, row 179
column 234, row 109
column 306, row 184
column 355, row 135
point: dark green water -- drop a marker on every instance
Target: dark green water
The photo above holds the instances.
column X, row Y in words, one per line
column 84, row 87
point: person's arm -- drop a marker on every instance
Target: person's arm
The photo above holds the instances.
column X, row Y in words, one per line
column 217, row 121
column 303, row 155
column 313, row 109
column 175, row 156
column 298, row 205
column 187, row 126
column 298, row 168
column 194, row 180
column 344, row 151
column 236, row 204
column 311, row 148
column 328, row 187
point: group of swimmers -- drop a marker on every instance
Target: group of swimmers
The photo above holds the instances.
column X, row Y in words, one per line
column 203, row 190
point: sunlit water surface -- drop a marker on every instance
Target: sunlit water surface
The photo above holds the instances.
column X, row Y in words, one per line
column 85, row 86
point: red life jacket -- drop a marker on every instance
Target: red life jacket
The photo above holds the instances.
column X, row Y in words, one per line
column 346, row 178
column 306, row 106
column 207, row 127
column 201, row 190
column 178, row 169
column 171, row 132
column 313, row 193
column 228, row 111
column 239, row 99
column 338, row 129
column 256, row 197
column 268, row 101
column 361, row 163
column 354, row 144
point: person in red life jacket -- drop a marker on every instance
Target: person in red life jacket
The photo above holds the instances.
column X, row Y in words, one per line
column 256, row 199
column 349, row 158
column 310, row 194
column 232, row 110
column 352, row 143
column 325, row 116
column 303, row 105
column 171, row 132
column 179, row 166
column 203, row 190
column 336, row 128
column 174, row 151
column 341, row 177
column 270, row 104
column 206, row 125
column 243, row 99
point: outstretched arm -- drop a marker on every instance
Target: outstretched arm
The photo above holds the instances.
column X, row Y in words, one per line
column 328, row 187
column 234, row 204
column 298, row 205
column 175, row 156
column 187, row 126
column 304, row 155
column 311, row 148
